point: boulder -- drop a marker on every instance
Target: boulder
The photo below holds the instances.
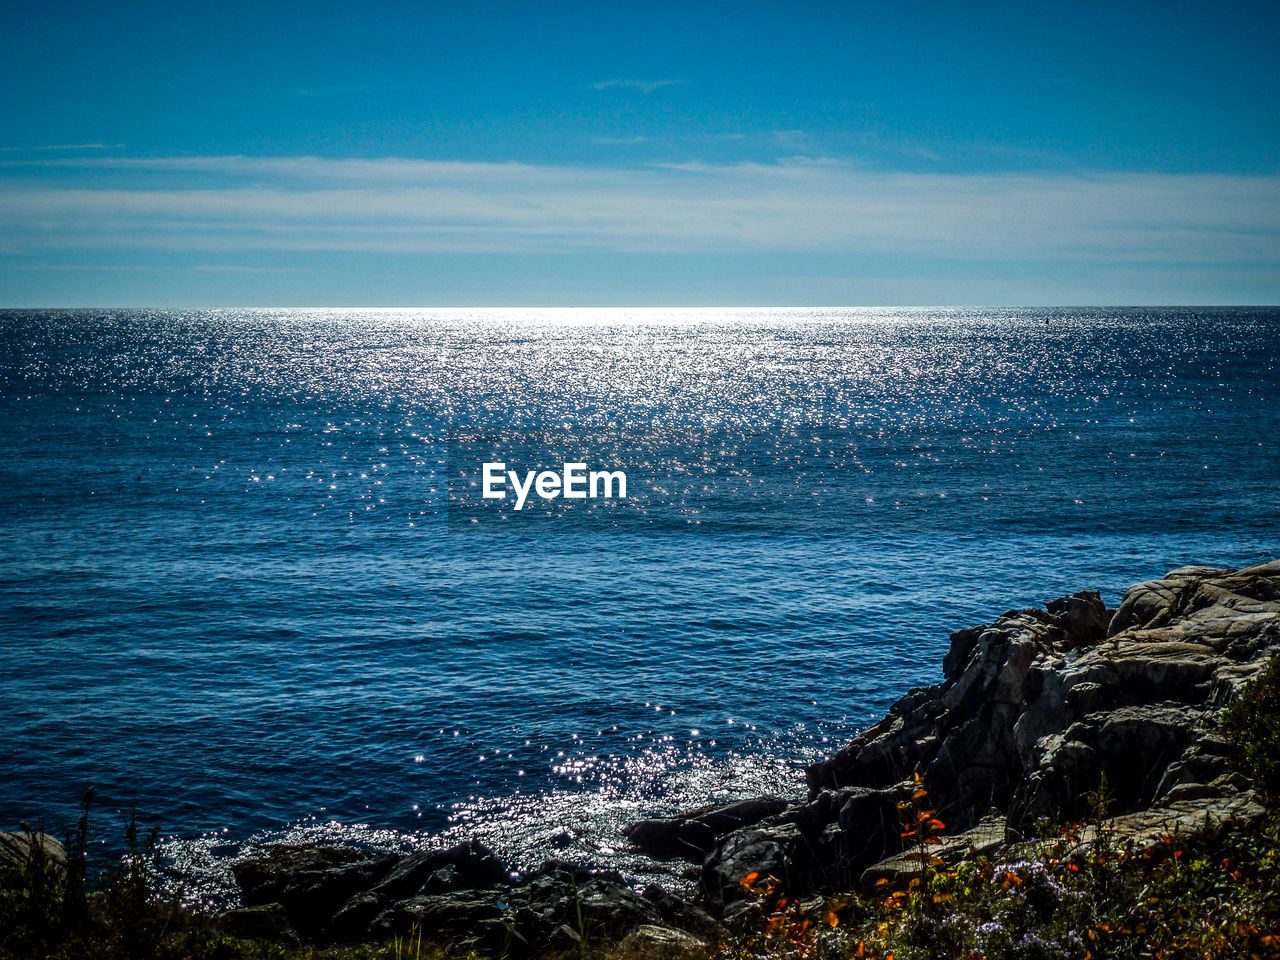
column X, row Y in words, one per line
column 309, row 883
column 780, row 851
column 985, row 840
column 1083, row 618
column 1206, row 817
column 680, row 913
column 23, row 850
column 693, row 835
column 650, row 940
column 464, row 866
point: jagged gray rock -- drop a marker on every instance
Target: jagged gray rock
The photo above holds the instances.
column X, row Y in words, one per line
column 693, row 835
column 982, row 840
column 1037, row 707
column 649, row 940
column 1036, row 711
column 462, row 895
column 309, row 883
column 22, row 850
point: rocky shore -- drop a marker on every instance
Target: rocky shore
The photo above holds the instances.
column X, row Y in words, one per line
column 1102, row 728
column 1038, row 711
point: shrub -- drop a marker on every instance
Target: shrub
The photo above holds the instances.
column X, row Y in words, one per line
column 31, row 892
column 1252, row 724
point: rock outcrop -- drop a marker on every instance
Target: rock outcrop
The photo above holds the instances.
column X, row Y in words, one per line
column 462, row 895
column 21, row 851
column 1040, row 715
column 693, row 835
column 1037, row 713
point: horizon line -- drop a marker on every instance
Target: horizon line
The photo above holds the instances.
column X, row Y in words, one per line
column 656, row 306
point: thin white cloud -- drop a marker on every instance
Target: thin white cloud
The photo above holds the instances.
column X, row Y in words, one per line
column 644, row 86
column 64, row 146
column 618, row 141
column 152, row 267
column 801, row 205
column 242, row 268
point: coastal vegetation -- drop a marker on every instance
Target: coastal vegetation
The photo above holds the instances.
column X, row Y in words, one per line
column 1060, row 898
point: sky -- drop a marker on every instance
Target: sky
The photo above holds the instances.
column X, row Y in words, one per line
column 421, row 154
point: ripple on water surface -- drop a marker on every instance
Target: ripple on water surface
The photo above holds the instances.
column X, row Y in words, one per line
column 243, row 586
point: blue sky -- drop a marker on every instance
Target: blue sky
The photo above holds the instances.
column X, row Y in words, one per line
column 423, row 154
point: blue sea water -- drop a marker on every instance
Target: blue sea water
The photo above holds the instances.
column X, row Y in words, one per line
column 247, row 583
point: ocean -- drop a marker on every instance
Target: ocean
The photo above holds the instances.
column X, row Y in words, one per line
column 251, row 588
